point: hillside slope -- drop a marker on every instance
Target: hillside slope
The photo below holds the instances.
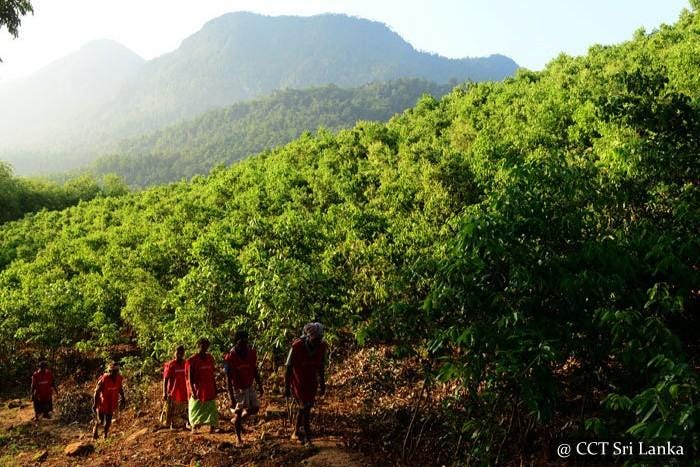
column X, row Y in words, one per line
column 532, row 243
column 227, row 135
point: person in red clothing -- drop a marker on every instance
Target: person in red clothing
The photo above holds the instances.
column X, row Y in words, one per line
column 305, row 373
column 175, row 389
column 43, row 386
column 241, row 368
column 106, row 399
column 201, row 383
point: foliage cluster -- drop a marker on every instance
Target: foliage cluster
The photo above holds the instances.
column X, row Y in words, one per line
column 11, row 12
column 19, row 196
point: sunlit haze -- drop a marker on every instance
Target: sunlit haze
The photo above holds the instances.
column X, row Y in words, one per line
column 532, row 33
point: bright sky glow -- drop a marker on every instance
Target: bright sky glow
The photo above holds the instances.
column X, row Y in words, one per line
column 531, row 32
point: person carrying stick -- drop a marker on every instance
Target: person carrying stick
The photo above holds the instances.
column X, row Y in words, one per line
column 304, row 375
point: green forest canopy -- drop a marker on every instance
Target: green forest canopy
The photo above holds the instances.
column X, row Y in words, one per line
column 536, row 239
column 230, row 134
column 218, row 137
column 19, row 196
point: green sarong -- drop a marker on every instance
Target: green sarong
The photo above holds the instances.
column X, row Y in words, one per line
column 203, row 412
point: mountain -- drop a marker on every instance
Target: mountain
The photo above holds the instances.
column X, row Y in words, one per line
column 108, row 93
column 244, row 55
column 45, row 106
column 223, row 136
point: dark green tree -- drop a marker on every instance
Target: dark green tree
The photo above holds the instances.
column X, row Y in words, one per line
column 11, row 12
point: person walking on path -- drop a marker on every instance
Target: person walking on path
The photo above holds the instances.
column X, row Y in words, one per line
column 42, row 389
column 305, row 373
column 175, row 391
column 201, row 383
column 241, row 368
column 106, row 399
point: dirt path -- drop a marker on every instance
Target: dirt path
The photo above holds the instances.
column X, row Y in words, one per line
column 332, row 453
column 139, row 441
column 361, row 421
column 22, row 439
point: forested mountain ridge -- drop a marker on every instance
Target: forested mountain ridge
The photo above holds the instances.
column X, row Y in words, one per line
column 534, row 242
column 223, row 136
column 60, row 124
column 241, row 56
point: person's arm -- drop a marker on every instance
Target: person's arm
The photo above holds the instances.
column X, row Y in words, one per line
column 258, row 381
column 96, row 396
column 192, row 382
column 229, row 383
column 54, row 385
column 322, row 375
column 256, row 375
column 213, row 377
column 288, row 374
column 32, row 389
column 121, row 393
column 166, row 383
column 165, row 389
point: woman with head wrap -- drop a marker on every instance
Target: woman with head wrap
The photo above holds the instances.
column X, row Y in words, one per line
column 304, row 375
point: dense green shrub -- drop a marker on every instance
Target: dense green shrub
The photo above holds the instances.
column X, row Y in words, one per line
column 537, row 236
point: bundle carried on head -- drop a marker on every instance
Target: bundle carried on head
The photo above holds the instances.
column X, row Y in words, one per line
column 313, row 330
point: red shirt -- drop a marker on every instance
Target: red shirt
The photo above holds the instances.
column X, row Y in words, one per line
column 43, row 385
column 202, row 373
column 305, row 369
column 175, row 373
column 109, row 395
column 241, row 370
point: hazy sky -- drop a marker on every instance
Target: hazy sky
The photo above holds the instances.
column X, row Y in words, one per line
column 531, row 32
